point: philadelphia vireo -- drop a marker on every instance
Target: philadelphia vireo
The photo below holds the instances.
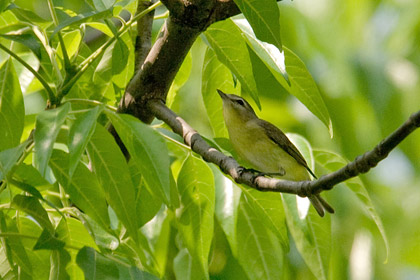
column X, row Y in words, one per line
column 265, row 147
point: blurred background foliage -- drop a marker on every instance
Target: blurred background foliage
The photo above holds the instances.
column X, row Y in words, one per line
column 365, row 58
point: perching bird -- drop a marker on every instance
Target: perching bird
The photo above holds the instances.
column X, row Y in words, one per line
column 265, row 147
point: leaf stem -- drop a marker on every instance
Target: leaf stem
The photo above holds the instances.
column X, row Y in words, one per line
column 91, row 102
column 50, row 93
column 66, row 58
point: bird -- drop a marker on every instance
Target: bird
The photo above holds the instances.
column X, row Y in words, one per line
column 265, row 147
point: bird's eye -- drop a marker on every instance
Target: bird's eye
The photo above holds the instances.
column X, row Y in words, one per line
column 240, row 102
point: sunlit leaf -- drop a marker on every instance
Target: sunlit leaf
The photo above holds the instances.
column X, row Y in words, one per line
column 186, row 267
column 82, row 18
column 290, row 72
column 332, row 162
column 226, row 207
column 74, row 233
column 268, row 206
column 259, row 250
column 72, row 41
column 147, row 203
column 111, row 168
column 48, row 124
column 12, row 111
column 230, row 47
column 80, row 134
column 312, row 235
column 264, row 17
column 120, row 54
column 195, row 217
column 216, row 76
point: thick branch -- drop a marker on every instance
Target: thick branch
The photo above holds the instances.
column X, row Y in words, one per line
column 144, row 33
column 187, row 20
column 228, row 165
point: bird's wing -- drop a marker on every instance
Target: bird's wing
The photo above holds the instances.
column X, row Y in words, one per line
column 278, row 137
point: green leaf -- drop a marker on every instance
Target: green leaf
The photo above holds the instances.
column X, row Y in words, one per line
column 30, row 175
column 148, row 149
column 48, row 241
column 26, row 15
column 180, row 79
column 225, row 39
column 96, row 266
column 272, row 57
column 74, row 233
column 12, row 111
column 29, row 189
column 147, row 204
column 120, row 55
column 72, row 41
column 186, row 267
column 195, row 216
column 305, row 89
column 226, row 207
column 112, row 171
column 28, row 40
column 259, row 250
column 32, row 207
column 264, row 17
column 48, row 124
column 332, row 162
column 83, row 188
column 290, row 72
column 101, row 5
column 268, row 207
column 216, row 76
column 311, row 233
column 80, row 133
column 82, row 18
column 8, row 159
column 13, row 244
column 122, row 78
column 59, row 261
column 39, row 258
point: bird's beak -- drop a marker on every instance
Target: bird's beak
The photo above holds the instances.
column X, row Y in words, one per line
column 222, row 94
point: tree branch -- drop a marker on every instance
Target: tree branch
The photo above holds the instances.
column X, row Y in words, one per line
column 186, row 21
column 144, row 33
column 230, row 166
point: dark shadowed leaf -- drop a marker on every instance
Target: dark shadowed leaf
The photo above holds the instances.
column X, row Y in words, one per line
column 32, row 207
column 49, row 242
column 95, row 266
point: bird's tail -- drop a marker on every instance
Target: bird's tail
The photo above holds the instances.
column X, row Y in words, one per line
column 320, row 204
